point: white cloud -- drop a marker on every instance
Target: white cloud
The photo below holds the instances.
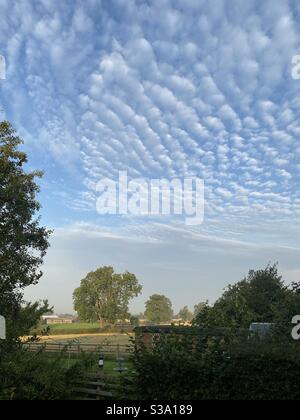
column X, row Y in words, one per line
column 160, row 89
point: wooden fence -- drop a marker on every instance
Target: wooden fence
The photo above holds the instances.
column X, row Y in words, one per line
column 99, row 386
column 75, row 349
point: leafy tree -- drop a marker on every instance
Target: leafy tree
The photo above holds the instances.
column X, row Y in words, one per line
column 185, row 314
column 158, row 309
column 104, row 295
column 135, row 321
column 260, row 297
column 23, row 242
column 199, row 307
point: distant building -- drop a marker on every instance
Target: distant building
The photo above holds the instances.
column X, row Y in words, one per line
column 55, row 319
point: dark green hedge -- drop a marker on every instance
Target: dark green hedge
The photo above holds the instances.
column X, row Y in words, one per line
column 218, row 369
column 35, row 376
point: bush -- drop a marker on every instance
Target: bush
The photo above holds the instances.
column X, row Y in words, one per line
column 35, row 376
column 228, row 368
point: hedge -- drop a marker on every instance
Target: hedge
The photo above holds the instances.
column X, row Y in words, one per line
column 228, row 368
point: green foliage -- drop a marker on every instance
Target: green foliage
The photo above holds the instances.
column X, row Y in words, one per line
column 23, row 245
column 199, row 307
column 185, row 314
column 221, row 359
column 28, row 315
column 104, row 295
column 218, row 367
column 134, row 321
column 23, row 242
column 260, row 297
column 158, row 309
column 30, row 376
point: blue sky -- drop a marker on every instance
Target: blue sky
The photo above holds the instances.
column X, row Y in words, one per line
column 159, row 89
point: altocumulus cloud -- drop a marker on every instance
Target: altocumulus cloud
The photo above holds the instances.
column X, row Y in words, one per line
column 161, row 89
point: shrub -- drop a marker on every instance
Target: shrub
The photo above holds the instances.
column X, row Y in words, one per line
column 223, row 368
column 35, row 376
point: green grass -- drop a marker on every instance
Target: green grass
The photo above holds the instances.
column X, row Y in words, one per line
column 109, row 365
column 75, row 327
column 82, row 328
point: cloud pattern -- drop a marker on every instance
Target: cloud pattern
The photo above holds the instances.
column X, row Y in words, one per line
column 161, row 89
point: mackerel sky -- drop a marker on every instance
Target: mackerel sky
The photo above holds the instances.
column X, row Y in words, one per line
column 160, row 89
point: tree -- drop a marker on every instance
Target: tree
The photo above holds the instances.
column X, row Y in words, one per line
column 185, row 314
column 260, row 297
column 23, row 242
column 199, row 308
column 104, row 295
column 158, row 309
column 135, row 321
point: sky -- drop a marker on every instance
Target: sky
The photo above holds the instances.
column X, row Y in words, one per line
column 160, row 89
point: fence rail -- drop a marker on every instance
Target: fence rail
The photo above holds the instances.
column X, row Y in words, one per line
column 76, row 349
column 103, row 387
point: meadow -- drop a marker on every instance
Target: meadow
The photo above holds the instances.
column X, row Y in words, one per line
column 85, row 333
column 80, row 327
column 83, row 328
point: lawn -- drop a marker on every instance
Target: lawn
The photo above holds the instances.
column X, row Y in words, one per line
column 75, row 327
column 109, row 366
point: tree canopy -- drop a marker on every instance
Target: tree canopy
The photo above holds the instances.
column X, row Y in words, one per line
column 23, row 242
column 158, row 309
column 260, row 297
column 199, row 307
column 185, row 314
column 104, row 295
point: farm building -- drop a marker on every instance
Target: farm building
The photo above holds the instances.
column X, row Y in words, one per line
column 55, row 319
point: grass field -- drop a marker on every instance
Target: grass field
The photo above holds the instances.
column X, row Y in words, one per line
column 75, row 327
column 110, row 364
column 81, row 328
column 95, row 339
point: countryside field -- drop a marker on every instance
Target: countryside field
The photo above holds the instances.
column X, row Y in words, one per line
column 75, row 327
column 85, row 333
column 96, row 339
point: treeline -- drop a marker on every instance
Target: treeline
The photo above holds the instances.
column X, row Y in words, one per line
column 261, row 297
column 104, row 296
column 219, row 358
